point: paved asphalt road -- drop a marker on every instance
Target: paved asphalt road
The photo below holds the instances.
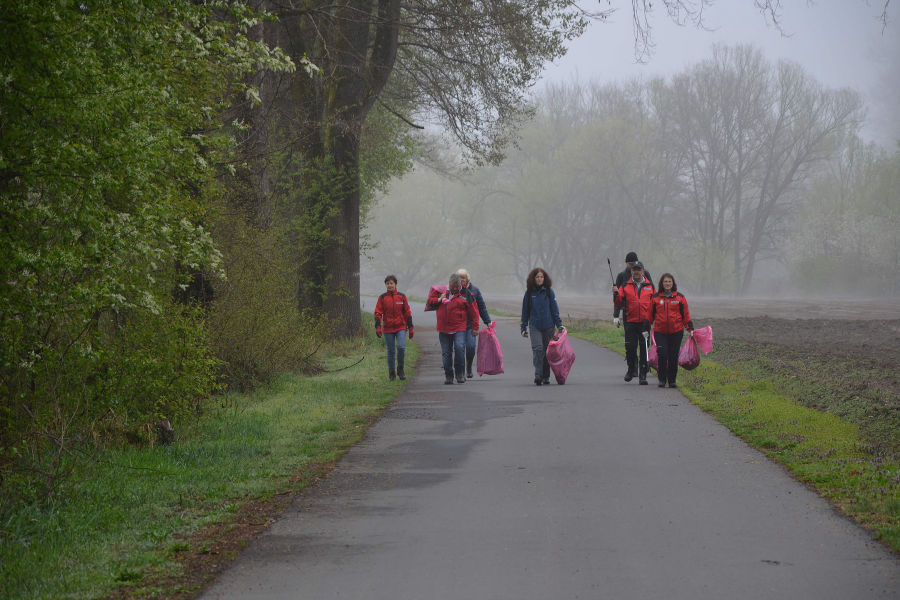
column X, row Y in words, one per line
column 597, row 489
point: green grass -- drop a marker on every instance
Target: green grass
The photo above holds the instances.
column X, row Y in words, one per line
column 821, row 449
column 126, row 518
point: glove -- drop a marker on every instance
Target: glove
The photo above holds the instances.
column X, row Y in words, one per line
column 412, row 332
column 524, row 333
column 646, row 334
column 378, row 331
column 560, row 329
column 617, row 321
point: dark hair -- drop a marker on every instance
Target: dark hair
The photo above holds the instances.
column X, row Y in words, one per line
column 390, row 278
column 532, row 285
column 660, row 289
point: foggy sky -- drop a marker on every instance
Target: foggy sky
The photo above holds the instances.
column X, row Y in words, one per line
column 839, row 42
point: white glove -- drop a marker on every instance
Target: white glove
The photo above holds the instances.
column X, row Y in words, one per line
column 524, row 333
column 617, row 321
column 646, row 334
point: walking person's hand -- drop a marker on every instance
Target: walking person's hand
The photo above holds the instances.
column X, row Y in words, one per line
column 525, row 333
column 617, row 321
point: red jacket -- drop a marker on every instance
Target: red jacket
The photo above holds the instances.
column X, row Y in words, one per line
column 670, row 314
column 637, row 304
column 392, row 312
column 454, row 315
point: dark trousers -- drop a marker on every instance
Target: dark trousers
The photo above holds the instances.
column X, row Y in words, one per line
column 667, row 347
column 634, row 346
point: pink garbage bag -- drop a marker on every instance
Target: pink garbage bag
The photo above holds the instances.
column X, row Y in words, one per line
column 689, row 355
column 490, row 357
column 704, row 337
column 433, row 293
column 653, row 353
column 560, row 356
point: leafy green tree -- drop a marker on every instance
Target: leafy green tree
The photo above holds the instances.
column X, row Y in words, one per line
column 108, row 142
column 464, row 65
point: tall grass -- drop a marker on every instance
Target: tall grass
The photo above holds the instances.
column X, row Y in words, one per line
column 125, row 517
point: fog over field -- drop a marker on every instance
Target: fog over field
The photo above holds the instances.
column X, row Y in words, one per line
column 748, row 157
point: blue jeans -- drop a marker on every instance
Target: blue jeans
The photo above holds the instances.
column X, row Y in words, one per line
column 453, row 353
column 398, row 338
column 471, row 342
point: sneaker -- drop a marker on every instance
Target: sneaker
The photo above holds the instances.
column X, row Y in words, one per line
column 537, row 381
column 661, row 384
column 448, row 380
column 469, row 373
column 672, row 385
column 460, row 379
column 643, row 382
column 545, row 381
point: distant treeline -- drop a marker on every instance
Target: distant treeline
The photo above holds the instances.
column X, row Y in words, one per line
column 739, row 175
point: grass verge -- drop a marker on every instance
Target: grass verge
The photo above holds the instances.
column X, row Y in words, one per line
column 820, row 449
column 158, row 522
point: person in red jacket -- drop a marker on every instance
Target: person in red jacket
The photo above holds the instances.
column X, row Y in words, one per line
column 634, row 297
column 393, row 319
column 454, row 309
column 670, row 316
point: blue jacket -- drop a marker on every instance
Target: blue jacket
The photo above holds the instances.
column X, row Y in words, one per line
column 539, row 309
column 479, row 301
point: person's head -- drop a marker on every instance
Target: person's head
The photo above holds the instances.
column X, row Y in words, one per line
column 390, row 282
column 538, row 278
column 463, row 277
column 667, row 283
column 630, row 259
column 637, row 271
column 455, row 283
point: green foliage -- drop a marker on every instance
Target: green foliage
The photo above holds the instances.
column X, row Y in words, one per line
column 131, row 518
column 106, row 159
column 256, row 326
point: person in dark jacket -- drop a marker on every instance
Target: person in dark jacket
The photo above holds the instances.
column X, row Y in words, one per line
column 622, row 278
column 454, row 309
column 635, row 299
column 540, row 313
column 393, row 320
column 670, row 316
column 467, row 285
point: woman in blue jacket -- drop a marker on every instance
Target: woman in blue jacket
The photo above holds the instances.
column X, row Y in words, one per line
column 540, row 314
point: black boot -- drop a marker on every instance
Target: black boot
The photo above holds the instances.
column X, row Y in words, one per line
column 629, row 375
column 642, row 377
column 391, row 375
column 537, row 381
column 448, row 380
column 469, row 367
column 400, row 373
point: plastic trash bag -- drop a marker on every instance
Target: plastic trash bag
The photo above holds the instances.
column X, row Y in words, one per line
column 560, row 356
column 434, row 293
column 653, row 353
column 490, row 357
column 704, row 337
column 689, row 355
